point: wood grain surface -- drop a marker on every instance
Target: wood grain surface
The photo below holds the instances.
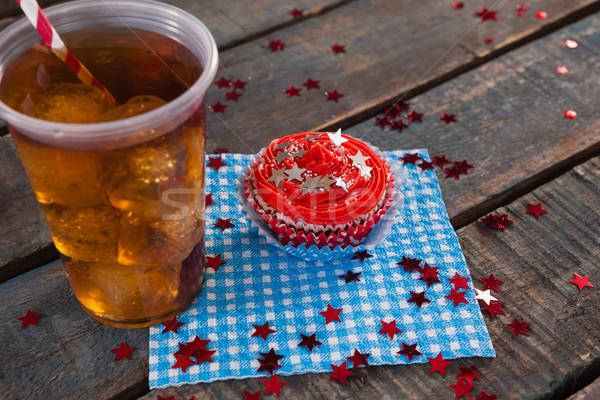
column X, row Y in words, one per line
column 590, row 392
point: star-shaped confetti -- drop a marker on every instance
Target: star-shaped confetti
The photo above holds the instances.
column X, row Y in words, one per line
column 362, row 255
column 252, row 396
column 410, row 264
column 292, row 91
column 239, row 84
column 463, row 166
column 282, row 155
column 309, row 341
column 269, row 361
column 339, row 182
column 409, row 350
column 359, row 359
column 310, row 184
column 29, row 319
column 359, row 158
column 220, row 150
column 518, row 327
column 485, row 296
column 214, row 262
column 382, row 121
column 389, row 328
column 486, row 14
column 203, row 356
column 429, row 274
column 333, row 95
column 458, row 4
column 216, row 163
column 172, row 325
column 277, row 175
column 414, row 116
column 459, row 282
column 447, row 118
column 496, row 221
column 438, row 364
column 425, row 165
column 191, row 347
column 296, row 13
column 440, row 160
column 396, row 109
column 535, row 209
column 581, row 281
column 337, row 138
column 484, row 396
column 273, row 385
column 310, row 84
column 218, row 107
column 331, row 314
column 232, row 95
column 494, row 308
column 326, row 182
column 468, row 373
column 522, row 7
column 340, row 373
column 491, row 283
column 462, row 388
column 410, row 158
column 208, row 200
column 336, row 48
column 276, row 45
column 418, row 298
column 541, row 15
column 351, row 276
column 453, row 172
column 123, row 352
column 159, row 398
column 183, row 362
column 398, row 125
column 223, row 82
column 223, row 223
column 295, row 173
column 570, row 114
column 262, row 331
column 457, row 297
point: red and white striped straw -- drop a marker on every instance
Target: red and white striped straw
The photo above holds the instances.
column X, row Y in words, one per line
column 38, row 19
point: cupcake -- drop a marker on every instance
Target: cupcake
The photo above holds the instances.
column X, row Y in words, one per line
column 319, row 188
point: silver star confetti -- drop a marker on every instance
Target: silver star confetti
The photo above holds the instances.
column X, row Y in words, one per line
column 337, row 138
column 339, row 181
column 282, row 155
column 364, row 170
column 312, row 137
column 326, row 182
column 310, row 184
column 283, row 145
column 277, row 175
column 485, row 296
column 359, row 159
column 299, row 153
column 295, row 172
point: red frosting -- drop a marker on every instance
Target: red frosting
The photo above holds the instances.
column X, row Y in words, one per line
column 322, row 207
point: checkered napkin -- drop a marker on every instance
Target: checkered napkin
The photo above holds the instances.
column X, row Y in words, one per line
column 261, row 283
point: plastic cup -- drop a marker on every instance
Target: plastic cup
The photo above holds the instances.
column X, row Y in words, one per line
column 124, row 199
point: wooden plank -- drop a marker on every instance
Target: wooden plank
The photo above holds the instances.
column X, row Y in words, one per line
column 590, row 392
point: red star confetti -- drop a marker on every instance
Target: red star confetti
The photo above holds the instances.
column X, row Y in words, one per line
column 459, row 282
column 310, row 84
column 438, row 364
column 409, row 264
column 309, row 341
column 458, row 4
column 425, row 165
column 296, row 13
column 519, row 14
column 187, row 349
column 396, row 109
column 522, row 7
column 172, row 325
column 336, row 48
column 535, row 209
column 486, row 14
column 29, row 319
column 484, row 396
column 489, row 40
column 429, row 274
column 223, row 82
column 233, row 95
column 541, row 15
column 208, row 200
column 382, row 121
column 216, row 163
column 168, row 398
column 571, row 44
column 203, row 356
column 263, row 331
column 269, row 361
column 340, row 373
column 462, row 388
column 331, row 314
column 457, row 297
column 414, row 116
column 359, row 359
column 214, row 262
column 273, row 385
column 409, row 350
column 447, row 118
column 562, row 70
column 220, row 150
column 223, row 223
column 398, row 125
column 292, row 91
column 440, row 160
column 468, row 373
column 496, row 221
column 494, row 308
column 410, row 158
column 334, row 95
column 491, row 283
column 453, row 172
column 570, row 114
column 581, row 281
column 239, row 84
column 351, row 276
column 123, row 352
column 217, row 107
column 252, row 396
column 418, row 298
column 362, row 255
column 389, row 328
column 276, row 45
column 518, row 327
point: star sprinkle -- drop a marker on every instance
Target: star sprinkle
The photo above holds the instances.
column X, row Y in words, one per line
column 459, row 282
column 429, row 274
column 182, row 362
column 214, row 262
column 581, row 281
column 239, row 84
column 359, row 158
column 292, row 91
column 172, row 325
column 295, row 173
column 438, row 364
column 262, row 331
column 457, row 297
column 29, row 319
column 562, row 70
column 389, row 328
column 276, row 45
column 359, row 359
column 326, row 182
column 281, row 155
column 496, row 221
column 468, row 373
column 494, row 308
column 518, row 327
column 336, row 48
column 409, row 350
column 223, row 223
column 396, row 109
column 339, row 182
column 410, row 264
column 273, row 385
column 296, row 13
column 187, row 349
column 233, row 95
column 203, row 356
column 337, row 138
column 463, row 166
column 277, row 175
column 351, row 276
column 571, row 44
column 208, row 200
column 486, row 14
column 484, row 396
column 364, row 170
column 491, row 283
column 398, row 125
column 462, row 388
column 216, row 163
column 331, row 314
column 310, row 184
column 414, row 116
column 453, row 172
column 418, row 298
column 334, row 95
column 536, row 209
column 218, row 107
column 223, row 82
column 485, row 296
column 362, row 255
column 269, row 361
column 310, row 84
column 340, row 373
column 252, row 396
column 123, row 352
column 410, row 158
column 447, row 118
column 457, row 4
column 440, row 160
column 309, row 341
column 570, row 114
column 541, row 15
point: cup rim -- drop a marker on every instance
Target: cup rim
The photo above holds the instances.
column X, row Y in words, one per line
column 50, row 131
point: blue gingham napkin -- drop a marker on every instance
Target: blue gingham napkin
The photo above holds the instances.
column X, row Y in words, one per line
column 261, row 283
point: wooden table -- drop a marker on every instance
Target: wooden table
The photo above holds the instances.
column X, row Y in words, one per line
column 509, row 103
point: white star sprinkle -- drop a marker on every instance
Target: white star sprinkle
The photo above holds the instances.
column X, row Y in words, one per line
column 310, row 184
column 364, row 170
column 339, row 181
column 359, row 159
column 282, row 155
column 277, row 176
column 295, row 172
column 337, row 138
column 326, row 182
column 485, row 296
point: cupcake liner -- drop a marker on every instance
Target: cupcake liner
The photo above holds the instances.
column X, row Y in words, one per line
column 323, row 247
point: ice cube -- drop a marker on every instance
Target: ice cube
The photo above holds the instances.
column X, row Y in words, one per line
column 134, row 106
